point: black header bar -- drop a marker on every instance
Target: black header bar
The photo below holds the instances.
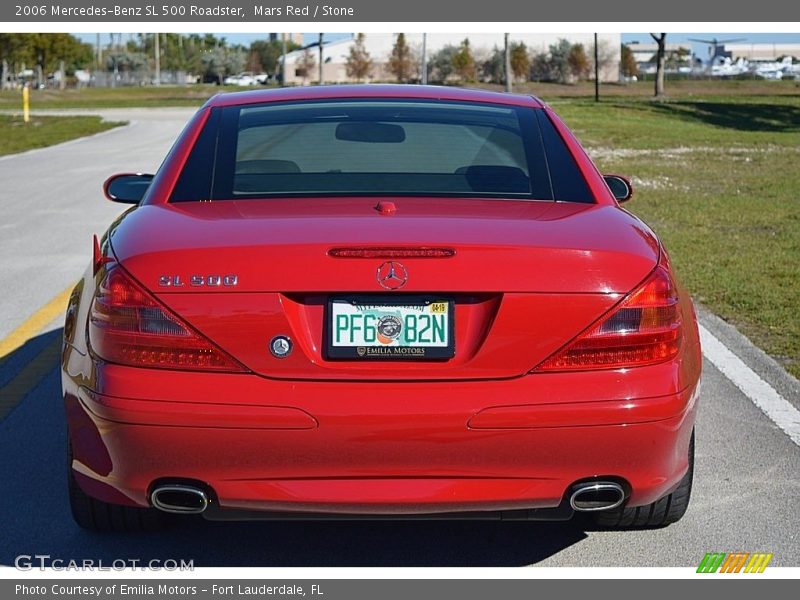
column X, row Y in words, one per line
column 386, row 11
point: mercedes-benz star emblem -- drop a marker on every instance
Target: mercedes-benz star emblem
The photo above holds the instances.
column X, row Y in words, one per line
column 280, row 346
column 392, row 275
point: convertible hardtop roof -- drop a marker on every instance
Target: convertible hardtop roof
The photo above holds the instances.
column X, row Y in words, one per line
column 323, row 92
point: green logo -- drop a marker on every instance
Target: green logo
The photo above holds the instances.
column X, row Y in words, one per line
column 735, row 562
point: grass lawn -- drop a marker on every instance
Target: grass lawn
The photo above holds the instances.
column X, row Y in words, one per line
column 18, row 136
column 121, row 97
column 719, row 180
column 683, row 88
column 195, row 95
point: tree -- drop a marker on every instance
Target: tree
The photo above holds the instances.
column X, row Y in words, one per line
column 126, row 61
column 401, row 62
column 14, row 49
column 606, row 54
column 578, row 61
column 359, row 63
column 520, row 61
column 45, row 50
column 266, row 54
column 441, row 63
column 540, row 67
column 173, row 55
column 661, row 40
column 220, row 62
column 493, row 68
column 558, row 66
column 306, row 64
column 205, row 55
column 680, row 58
column 464, row 62
column 194, row 48
column 628, row 66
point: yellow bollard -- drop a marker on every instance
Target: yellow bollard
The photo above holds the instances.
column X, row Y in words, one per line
column 26, row 103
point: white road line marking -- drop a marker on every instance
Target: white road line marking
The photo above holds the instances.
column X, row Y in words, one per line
column 764, row 396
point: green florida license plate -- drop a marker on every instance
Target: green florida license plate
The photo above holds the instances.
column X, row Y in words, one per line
column 390, row 328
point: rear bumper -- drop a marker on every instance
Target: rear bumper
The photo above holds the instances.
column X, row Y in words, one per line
column 378, row 448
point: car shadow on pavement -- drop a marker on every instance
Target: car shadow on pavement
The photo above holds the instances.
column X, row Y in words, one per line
column 36, row 520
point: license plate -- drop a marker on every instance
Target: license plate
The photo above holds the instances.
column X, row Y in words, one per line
column 415, row 328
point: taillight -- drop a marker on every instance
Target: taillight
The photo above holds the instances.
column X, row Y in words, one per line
column 129, row 327
column 644, row 329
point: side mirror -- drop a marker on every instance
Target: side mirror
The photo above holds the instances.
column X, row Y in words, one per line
column 620, row 186
column 127, row 188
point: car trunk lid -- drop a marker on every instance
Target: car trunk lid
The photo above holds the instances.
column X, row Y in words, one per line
column 524, row 277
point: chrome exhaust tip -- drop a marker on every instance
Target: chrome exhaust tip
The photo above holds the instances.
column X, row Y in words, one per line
column 596, row 496
column 182, row 499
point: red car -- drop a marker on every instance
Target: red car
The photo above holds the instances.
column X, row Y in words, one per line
column 378, row 301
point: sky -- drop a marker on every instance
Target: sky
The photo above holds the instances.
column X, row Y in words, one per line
column 700, row 50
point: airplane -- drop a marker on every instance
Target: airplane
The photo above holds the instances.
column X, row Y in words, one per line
column 716, row 47
column 723, row 66
column 776, row 70
column 790, row 67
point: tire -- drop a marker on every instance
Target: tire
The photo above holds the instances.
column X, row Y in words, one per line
column 662, row 512
column 103, row 517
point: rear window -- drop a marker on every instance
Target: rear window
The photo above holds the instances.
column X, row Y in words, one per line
column 376, row 147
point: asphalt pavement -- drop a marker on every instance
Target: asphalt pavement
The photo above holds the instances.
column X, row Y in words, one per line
column 51, row 202
column 746, row 490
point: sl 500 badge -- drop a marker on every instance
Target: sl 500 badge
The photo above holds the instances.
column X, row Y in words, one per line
column 199, row 281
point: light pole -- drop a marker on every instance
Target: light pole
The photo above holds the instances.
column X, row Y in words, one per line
column 321, row 79
column 158, row 58
column 507, row 63
column 424, row 59
column 283, row 59
column 596, row 72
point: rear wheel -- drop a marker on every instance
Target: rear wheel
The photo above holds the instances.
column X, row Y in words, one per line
column 660, row 513
column 96, row 515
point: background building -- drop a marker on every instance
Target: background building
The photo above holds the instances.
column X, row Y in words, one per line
column 379, row 47
column 762, row 52
column 677, row 56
